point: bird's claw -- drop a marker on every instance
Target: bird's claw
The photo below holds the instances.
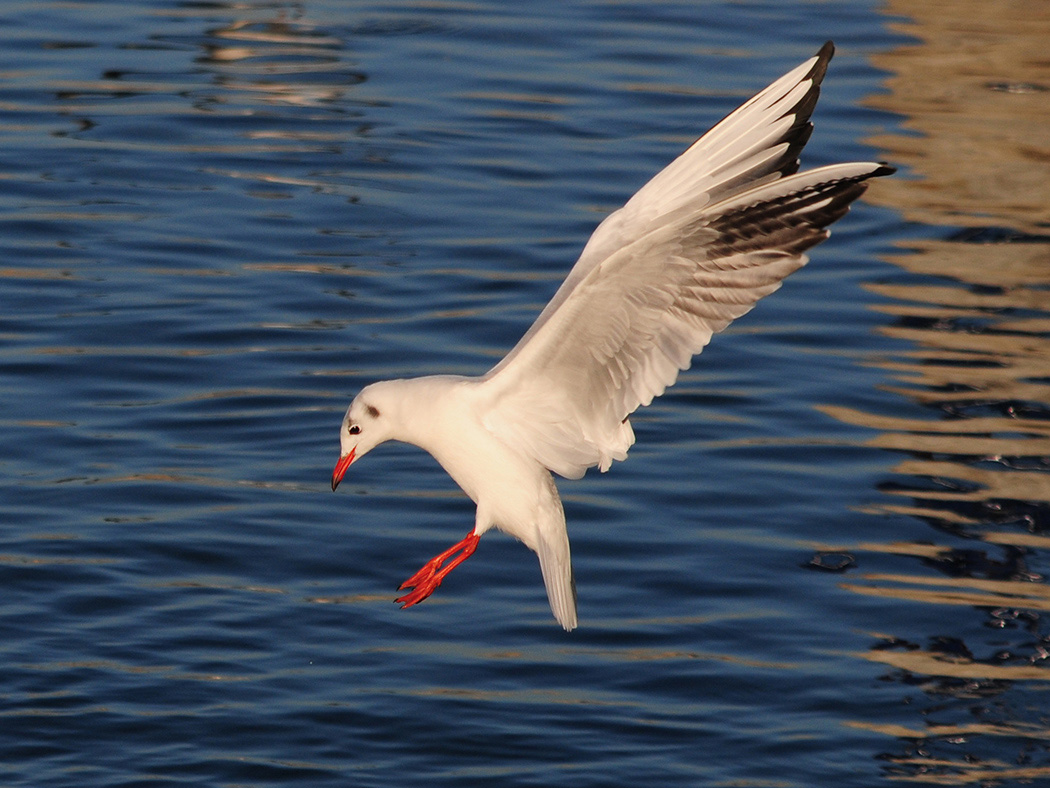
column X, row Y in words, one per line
column 421, row 585
column 422, row 576
column 429, row 577
column 418, row 593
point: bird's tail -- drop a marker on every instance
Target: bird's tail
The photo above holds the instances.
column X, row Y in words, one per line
column 556, row 562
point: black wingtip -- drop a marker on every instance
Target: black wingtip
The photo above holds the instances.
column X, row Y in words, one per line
column 883, row 169
column 820, row 67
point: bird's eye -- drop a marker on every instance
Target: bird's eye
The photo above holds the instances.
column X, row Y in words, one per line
column 353, row 429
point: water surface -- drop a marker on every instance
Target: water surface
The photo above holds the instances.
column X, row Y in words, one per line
column 824, row 562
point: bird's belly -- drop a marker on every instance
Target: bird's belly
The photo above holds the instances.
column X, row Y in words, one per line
column 495, row 478
column 507, row 487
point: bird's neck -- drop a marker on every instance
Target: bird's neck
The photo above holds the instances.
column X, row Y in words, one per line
column 428, row 408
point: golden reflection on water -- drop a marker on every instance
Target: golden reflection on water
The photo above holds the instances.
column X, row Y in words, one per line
column 972, row 320
column 956, row 591
column 974, row 89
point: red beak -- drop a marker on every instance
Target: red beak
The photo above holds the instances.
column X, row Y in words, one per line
column 341, row 466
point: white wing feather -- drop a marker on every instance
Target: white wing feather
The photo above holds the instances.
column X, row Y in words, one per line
column 694, row 249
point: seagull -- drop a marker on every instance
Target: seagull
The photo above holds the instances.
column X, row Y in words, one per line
column 693, row 250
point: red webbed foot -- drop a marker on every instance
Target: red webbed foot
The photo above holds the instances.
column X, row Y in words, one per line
column 430, row 576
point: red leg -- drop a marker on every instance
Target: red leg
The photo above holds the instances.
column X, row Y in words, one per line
column 430, row 576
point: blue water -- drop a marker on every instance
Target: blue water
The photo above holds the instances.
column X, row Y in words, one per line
column 823, row 564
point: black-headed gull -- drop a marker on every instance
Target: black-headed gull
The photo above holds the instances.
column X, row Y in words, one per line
column 693, row 250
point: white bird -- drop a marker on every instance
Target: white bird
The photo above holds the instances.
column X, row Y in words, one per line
column 694, row 249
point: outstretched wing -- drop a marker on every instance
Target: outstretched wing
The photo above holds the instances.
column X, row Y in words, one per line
column 694, row 249
column 757, row 143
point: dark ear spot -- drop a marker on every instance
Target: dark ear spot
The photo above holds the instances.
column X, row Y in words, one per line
column 372, row 411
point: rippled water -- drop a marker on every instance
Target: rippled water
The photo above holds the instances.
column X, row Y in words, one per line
column 825, row 561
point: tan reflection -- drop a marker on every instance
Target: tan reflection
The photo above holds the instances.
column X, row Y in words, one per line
column 956, row 437
column 999, row 485
column 19, row 559
column 969, row 314
column 975, row 91
column 33, row 273
column 956, row 591
column 662, row 655
column 999, row 265
column 936, row 664
column 274, row 58
column 974, row 322
column 565, row 696
column 970, row 773
column 1031, row 731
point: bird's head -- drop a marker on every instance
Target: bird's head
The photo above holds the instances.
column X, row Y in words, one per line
column 364, row 427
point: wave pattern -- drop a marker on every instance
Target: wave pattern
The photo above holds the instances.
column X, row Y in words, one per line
column 969, row 354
